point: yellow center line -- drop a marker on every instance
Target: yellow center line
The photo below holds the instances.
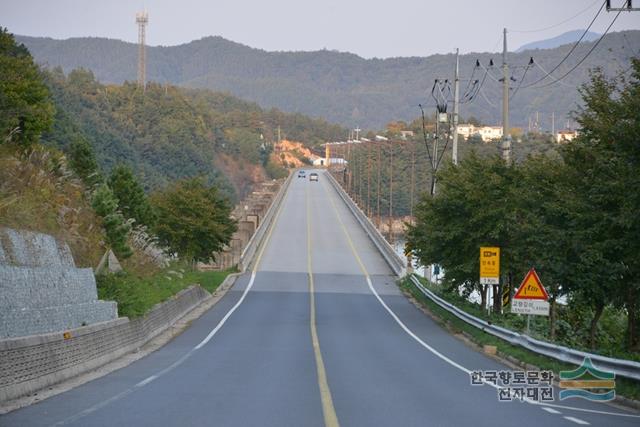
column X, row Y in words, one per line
column 346, row 233
column 328, row 411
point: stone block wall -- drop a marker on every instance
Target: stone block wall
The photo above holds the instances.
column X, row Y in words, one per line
column 41, row 290
column 249, row 214
column 31, row 363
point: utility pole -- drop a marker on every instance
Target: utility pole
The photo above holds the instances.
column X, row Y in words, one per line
column 456, row 95
column 553, row 123
column 391, row 194
column 378, row 187
column 368, row 145
column 506, row 137
column 413, row 181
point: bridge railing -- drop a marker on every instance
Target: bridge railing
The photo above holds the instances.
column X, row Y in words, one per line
column 247, row 255
column 621, row 367
column 394, row 260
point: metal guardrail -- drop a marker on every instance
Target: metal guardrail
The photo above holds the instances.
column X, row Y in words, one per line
column 622, row 368
column 391, row 257
column 247, row 255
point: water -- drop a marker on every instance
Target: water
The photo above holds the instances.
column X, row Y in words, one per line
column 433, row 272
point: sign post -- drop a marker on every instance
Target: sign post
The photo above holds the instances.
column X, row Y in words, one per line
column 489, row 269
column 531, row 298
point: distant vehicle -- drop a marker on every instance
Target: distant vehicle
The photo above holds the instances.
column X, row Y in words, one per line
column 301, row 174
column 313, row 176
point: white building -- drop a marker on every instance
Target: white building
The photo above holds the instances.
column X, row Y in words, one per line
column 322, row 161
column 566, row 135
column 406, row 133
column 487, row 133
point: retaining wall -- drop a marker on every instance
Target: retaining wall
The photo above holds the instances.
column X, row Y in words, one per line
column 28, row 364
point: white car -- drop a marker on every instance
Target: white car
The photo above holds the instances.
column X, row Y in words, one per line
column 313, row 176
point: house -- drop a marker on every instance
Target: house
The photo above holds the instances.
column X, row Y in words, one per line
column 322, row 161
column 466, row 130
column 404, row 134
column 565, row 136
column 487, row 133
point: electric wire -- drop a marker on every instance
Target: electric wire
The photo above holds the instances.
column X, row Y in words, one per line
column 595, row 45
column 522, row 79
column 547, row 73
column 572, row 47
column 487, row 99
column 490, row 75
column 559, row 23
column 424, row 134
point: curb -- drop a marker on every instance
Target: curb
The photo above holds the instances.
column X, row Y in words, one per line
column 149, row 347
column 508, row 360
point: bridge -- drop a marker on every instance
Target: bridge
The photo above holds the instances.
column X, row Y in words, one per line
column 315, row 333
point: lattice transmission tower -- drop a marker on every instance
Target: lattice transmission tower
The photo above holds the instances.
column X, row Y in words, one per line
column 142, row 19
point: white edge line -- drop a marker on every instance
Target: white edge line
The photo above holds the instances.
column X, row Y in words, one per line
column 229, row 313
column 146, row 381
column 576, row 420
column 467, row 371
column 550, row 410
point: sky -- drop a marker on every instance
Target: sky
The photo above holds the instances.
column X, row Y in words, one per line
column 369, row 28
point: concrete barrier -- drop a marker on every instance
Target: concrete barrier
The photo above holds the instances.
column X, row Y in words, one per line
column 391, row 257
column 246, row 258
column 28, row 364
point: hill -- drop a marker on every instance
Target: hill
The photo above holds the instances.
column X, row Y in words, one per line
column 169, row 133
column 339, row 87
column 564, row 38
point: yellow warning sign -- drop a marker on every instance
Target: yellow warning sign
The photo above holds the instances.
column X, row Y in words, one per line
column 531, row 288
column 489, row 265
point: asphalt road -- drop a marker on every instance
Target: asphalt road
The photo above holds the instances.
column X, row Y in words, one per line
column 318, row 334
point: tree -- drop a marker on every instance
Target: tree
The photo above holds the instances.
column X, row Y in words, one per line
column 472, row 208
column 544, row 235
column 83, row 162
column 604, row 171
column 25, row 108
column 132, row 200
column 193, row 220
column 105, row 204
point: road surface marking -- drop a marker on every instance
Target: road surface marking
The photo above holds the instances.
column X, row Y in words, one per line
column 328, row 410
column 93, row 408
column 250, row 285
column 187, row 355
column 427, row 346
column 551, row 410
column 576, row 420
column 146, row 381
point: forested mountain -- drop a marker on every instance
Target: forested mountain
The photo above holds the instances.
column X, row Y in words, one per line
column 342, row 87
column 564, row 38
column 168, row 133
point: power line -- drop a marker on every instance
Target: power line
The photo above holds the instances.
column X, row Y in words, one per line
column 547, row 74
column 487, row 99
column 487, row 71
column 586, row 56
column 572, row 47
column 522, row 78
column 559, row 23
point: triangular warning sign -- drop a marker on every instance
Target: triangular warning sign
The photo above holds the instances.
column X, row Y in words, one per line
column 531, row 288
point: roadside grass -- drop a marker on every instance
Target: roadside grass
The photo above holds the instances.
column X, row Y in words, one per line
column 624, row 386
column 136, row 294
